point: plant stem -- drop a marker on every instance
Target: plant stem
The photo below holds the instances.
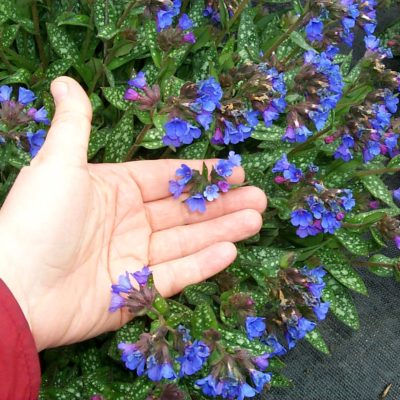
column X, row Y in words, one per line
column 88, row 36
column 38, row 37
column 7, row 63
column 287, row 33
column 135, row 147
column 378, row 171
column 311, row 140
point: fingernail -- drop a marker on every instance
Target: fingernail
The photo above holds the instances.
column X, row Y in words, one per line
column 59, row 90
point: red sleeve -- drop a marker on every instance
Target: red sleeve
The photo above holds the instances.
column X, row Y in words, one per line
column 19, row 361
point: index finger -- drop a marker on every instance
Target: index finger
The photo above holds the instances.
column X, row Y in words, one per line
column 153, row 177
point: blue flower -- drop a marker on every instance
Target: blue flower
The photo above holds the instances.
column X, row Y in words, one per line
column 175, row 129
column 293, row 174
column 185, row 174
column 139, row 81
column 260, row 379
column 235, row 134
column 26, row 96
column 297, row 329
column 262, row 362
column 301, row 217
column 194, row 358
column 124, row 284
column 142, row 276
column 329, row 222
column 205, row 119
column 156, row 372
column 185, row 22
column 208, row 385
column 233, row 388
column 39, row 115
column 372, row 42
column 272, row 341
column 185, row 333
column 132, row 357
column 314, row 30
column 255, row 327
column 5, row 93
column 235, row 159
column 348, row 201
column 270, row 114
column 391, row 102
column 196, row 203
column 252, row 118
column 164, row 19
column 175, row 188
column 224, row 168
column 320, row 310
column 211, row 192
column 396, row 194
column 281, row 165
column 209, row 95
column 299, row 134
column 36, row 141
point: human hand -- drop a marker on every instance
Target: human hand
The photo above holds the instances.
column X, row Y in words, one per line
column 68, row 229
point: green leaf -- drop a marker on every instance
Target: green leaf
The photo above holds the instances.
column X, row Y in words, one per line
column 281, row 381
column 375, row 185
column 195, row 151
column 98, row 140
column 62, row 43
column 298, row 39
column 9, row 34
column 339, row 267
column 115, row 96
column 341, row 303
column 70, row 18
column 272, row 134
column 248, row 43
column 353, row 242
column 394, row 162
column 151, row 39
column 107, row 32
column 317, row 341
column 57, row 68
column 120, row 141
column 153, row 139
column 104, row 13
column 200, row 293
column 20, row 76
column 203, row 318
column 138, row 389
column 365, row 218
column 235, row 339
column 382, row 271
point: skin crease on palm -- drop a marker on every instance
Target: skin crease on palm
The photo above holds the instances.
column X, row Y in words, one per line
column 68, row 229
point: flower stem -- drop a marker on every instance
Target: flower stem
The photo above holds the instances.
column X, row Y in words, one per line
column 38, row 37
column 125, row 14
column 371, row 264
column 311, row 140
column 135, row 147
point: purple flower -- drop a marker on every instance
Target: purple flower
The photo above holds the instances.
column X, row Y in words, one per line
column 139, row 81
column 117, row 302
column 131, row 95
column 211, row 192
column 5, row 93
column 124, row 284
column 185, row 22
column 142, row 276
column 39, row 116
column 26, row 96
column 223, row 186
column 255, row 327
column 175, row 188
column 260, row 379
column 194, row 358
column 132, row 357
column 185, row 174
column 36, row 141
column 196, row 203
column 314, row 30
column 262, row 362
column 189, row 38
column 156, row 372
column 397, row 241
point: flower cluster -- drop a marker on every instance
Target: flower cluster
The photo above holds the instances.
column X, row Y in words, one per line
column 389, row 227
column 368, row 129
column 228, row 377
column 296, row 290
column 139, row 92
column 212, row 10
column 18, row 115
column 321, row 83
column 172, row 37
column 320, row 210
column 202, row 188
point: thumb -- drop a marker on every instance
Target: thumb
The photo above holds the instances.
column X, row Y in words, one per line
column 68, row 137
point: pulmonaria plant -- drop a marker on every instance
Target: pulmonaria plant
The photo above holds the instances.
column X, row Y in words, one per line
column 20, row 120
column 202, row 188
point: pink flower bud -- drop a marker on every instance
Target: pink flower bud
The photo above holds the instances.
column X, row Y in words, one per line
column 374, row 204
column 279, row 179
column 340, row 215
column 131, row 95
column 329, row 139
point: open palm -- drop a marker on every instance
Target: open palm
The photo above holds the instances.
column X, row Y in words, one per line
column 68, row 229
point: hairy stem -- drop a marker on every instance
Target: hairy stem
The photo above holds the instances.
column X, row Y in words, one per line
column 371, row 264
column 38, row 36
column 378, row 171
column 135, row 147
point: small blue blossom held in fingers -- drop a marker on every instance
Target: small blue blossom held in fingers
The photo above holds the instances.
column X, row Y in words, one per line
column 142, row 276
column 184, row 173
column 36, row 141
column 211, row 192
column 39, row 116
column 255, row 327
column 175, row 188
column 196, row 203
